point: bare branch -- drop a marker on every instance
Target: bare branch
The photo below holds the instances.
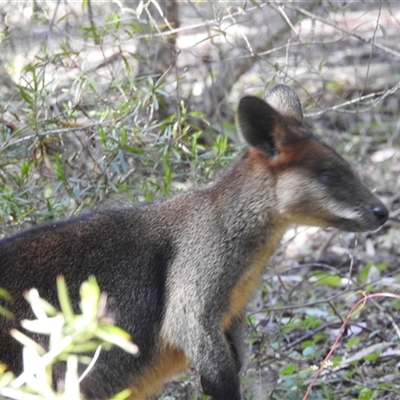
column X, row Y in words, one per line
column 349, row 33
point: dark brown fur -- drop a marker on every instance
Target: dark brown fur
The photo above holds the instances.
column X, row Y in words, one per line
column 179, row 272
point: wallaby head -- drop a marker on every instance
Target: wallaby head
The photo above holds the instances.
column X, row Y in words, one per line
column 179, row 272
column 312, row 184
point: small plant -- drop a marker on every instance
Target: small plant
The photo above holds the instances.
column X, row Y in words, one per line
column 71, row 338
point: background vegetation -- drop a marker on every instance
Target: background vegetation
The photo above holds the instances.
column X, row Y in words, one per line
column 109, row 103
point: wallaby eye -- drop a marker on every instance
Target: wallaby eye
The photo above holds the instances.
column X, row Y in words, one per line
column 327, row 177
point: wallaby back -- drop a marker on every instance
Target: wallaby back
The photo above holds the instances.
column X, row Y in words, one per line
column 179, row 272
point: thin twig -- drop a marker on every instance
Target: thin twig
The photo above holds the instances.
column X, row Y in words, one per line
column 352, row 34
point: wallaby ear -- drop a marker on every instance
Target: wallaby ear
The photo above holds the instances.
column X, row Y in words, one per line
column 257, row 123
column 262, row 123
column 286, row 102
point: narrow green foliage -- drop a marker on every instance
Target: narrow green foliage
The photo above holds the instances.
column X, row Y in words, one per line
column 6, row 296
column 326, row 279
column 69, row 335
column 353, row 341
column 63, row 297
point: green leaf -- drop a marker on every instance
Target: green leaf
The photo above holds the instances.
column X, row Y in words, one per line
column 353, row 341
column 27, row 341
column 59, row 168
column 26, row 95
column 40, row 307
column 336, row 361
column 25, row 167
column 5, row 295
column 134, row 150
column 363, row 274
column 125, row 394
column 115, row 335
column 64, row 299
column 288, row 370
column 372, row 356
column 5, row 313
column 366, row 394
column 329, row 280
column 90, row 297
column 309, row 351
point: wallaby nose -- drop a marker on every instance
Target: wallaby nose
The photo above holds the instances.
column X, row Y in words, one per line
column 381, row 213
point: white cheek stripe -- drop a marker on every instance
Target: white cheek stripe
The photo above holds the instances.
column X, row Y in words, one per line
column 342, row 212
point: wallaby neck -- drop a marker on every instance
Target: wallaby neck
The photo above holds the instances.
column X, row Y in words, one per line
column 244, row 202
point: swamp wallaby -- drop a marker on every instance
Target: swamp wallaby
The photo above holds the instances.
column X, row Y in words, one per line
column 180, row 271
